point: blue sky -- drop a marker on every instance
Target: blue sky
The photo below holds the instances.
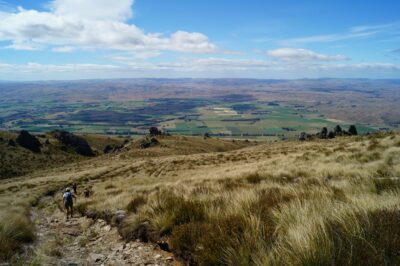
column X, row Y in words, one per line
column 78, row 39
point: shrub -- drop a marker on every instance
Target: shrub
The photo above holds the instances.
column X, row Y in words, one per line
column 135, row 203
column 353, row 130
column 253, row 178
column 82, row 207
column 378, row 243
column 386, row 184
column 15, row 229
column 134, row 228
column 384, row 170
column 188, row 211
column 206, row 243
column 185, row 240
column 231, row 183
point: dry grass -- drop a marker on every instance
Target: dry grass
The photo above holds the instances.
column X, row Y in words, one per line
column 290, row 203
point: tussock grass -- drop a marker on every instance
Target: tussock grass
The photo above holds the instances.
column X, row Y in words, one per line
column 287, row 203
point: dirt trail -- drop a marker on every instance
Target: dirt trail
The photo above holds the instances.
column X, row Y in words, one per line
column 82, row 241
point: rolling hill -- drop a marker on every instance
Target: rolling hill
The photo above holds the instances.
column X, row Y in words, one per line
column 215, row 202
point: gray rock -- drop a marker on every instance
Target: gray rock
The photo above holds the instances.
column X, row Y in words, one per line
column 119, row 216
column 94, row 257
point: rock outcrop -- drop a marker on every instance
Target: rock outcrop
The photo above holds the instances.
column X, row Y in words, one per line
column 28, row 141
column 112, row 148
column 78, row 144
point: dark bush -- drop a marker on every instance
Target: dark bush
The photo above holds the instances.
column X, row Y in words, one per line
column 386, row 184
column 324, row 133
column 11, row 143
column 303, row 136
column 353, row 130
column 186, row 239
column 205, row 243
column 188, row 211
column 143, row 231
column 331, row 135
column 253, row 178
column 154, row 131
column 81, row 208
column 135, row 203
column 377, row 244
column 338, row 130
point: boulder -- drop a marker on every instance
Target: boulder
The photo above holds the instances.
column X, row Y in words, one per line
column 78, row 144
column 28, row 141
column 119, row 216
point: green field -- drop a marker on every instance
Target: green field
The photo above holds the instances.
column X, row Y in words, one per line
column 252, row 119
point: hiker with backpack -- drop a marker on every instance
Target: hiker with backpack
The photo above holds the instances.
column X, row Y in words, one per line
column 68, row 202
column 74, row 187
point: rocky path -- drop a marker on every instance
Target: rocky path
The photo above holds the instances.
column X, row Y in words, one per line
column 82, row 241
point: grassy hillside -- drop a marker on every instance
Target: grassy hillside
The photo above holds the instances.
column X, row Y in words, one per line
column 17, row 161
column 322, row 202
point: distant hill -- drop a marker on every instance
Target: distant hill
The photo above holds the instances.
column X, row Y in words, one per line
column 16, row 160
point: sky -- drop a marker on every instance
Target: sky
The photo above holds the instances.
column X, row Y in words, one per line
column 285, row 39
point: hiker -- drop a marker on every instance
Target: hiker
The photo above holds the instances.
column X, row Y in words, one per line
column 86, row 192
column 68, row 202
column 74, row 187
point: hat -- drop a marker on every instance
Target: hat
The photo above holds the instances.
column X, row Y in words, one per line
column 67, row 189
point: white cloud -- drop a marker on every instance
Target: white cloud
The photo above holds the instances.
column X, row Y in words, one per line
column 297, row 54
column 51, row 68
column 358, row 32
column 117, row 10
column 25, row 46
column 204, row 67
column 63, row 49
column 68, row 26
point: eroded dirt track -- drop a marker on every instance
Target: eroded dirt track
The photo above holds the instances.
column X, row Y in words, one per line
column 82, row 241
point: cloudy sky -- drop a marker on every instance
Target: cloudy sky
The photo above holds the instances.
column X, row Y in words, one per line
column 78, row 39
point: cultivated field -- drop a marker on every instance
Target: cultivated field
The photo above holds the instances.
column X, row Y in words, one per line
column 263, row 109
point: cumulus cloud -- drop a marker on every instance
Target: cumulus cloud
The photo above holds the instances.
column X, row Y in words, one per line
column 92, row 24
column 118, row 10
column 297, row 54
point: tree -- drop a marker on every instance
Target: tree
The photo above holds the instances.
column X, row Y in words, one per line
column 331, row 135
column 353, row 130
column 303, row 136
column 338, row 130
column 324, row 133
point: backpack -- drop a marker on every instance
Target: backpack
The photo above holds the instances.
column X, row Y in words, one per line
column 67, row 197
